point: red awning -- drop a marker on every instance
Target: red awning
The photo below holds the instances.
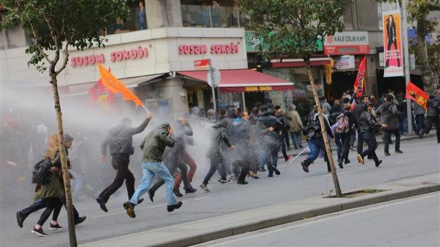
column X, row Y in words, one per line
column 285, row 63
column 243, row 80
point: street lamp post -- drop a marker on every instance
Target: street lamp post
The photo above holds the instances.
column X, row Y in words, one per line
column 406, row 62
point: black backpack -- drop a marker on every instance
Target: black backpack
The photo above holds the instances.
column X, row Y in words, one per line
column 314, row 127
column 41, row 173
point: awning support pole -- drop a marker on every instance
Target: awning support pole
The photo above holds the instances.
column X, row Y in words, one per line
column 244, row 103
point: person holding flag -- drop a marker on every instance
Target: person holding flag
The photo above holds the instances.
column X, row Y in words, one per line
column 120, row 140
column 433, row 114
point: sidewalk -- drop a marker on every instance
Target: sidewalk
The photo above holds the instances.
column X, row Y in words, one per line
column 251, row 220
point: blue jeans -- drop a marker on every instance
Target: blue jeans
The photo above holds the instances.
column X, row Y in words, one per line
column 77, row 183
column 296, row 139
column 420, row 122
column 316, row 145
column 217, row 163
column 150, row 169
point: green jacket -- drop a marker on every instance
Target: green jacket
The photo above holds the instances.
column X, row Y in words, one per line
column 155, row 143
column 55, row 187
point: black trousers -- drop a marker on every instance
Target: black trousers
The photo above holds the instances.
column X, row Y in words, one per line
column 430, row 120
column 243, row 167
column 370, row 139
column 51, row 204
column 387, row 139
column 345, row 146
column 120, row 164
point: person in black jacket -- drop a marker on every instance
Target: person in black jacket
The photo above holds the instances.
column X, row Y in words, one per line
column 120, row 141
column 345, row 137
column 315, row 140
column 239, row 132
column 432, row 116
column 367, row 128
column 271, row 139
column 219, row 140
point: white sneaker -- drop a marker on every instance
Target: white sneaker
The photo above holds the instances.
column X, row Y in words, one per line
column 204, row 187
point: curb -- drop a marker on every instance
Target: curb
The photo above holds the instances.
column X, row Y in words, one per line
column 213, row 228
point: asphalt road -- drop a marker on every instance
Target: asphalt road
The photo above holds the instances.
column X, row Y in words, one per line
column 407, row 222
column 421, row 157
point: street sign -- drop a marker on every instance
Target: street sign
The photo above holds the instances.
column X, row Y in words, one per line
column 202, row 64
column 213, row 76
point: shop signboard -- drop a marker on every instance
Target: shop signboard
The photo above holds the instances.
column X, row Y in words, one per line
column 345, row 62
column 346, row 43
column 202, row 64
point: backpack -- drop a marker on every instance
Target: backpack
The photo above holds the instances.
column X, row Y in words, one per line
column 41, row 173
column 343, row 125
column 314, row 127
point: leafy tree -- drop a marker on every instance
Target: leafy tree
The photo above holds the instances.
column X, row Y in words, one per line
column 291, row 28
column 427, row 56
column 55, row 27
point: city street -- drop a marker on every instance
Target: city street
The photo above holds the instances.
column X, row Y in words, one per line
column 421, row 157
column 410, row 221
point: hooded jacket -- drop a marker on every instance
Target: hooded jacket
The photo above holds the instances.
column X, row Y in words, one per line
column 120, row 139
column 219, row 140
column 155, row 143
column 389, row 114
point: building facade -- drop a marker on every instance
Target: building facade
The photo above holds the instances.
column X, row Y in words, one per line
column 180, row 32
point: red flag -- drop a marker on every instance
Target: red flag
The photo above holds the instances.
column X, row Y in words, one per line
column 417, row 95
column 114, row 85
column 359, row 83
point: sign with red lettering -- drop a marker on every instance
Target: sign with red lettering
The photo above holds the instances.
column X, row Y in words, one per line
column 201, row 64
column 116, row 56
column 231, row 48
column 346, row 43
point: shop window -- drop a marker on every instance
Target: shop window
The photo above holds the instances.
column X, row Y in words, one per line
column 215, row 14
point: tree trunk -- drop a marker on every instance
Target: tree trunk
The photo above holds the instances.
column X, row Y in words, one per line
column 422, row 52
column 63, row 157
column 324, row 131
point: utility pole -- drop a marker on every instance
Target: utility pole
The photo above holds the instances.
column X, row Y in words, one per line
column 406, row 62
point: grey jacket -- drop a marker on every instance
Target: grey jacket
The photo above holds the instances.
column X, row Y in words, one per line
column 389, row 114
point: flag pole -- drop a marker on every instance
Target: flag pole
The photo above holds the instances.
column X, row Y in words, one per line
column 145, row 108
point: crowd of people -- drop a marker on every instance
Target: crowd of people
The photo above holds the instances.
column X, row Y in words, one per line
column 242, row 144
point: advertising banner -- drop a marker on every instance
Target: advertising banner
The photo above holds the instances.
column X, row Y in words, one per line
column 392, row 39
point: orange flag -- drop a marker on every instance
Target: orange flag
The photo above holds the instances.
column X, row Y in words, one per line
column 417, row 95
column 116, row 86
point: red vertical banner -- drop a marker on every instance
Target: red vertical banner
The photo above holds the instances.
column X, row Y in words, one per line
column 392, row 38
column 359, row 83
column 101, row 95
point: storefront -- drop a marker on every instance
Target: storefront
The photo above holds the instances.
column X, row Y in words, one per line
column 233, row 89
column 347, row 49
